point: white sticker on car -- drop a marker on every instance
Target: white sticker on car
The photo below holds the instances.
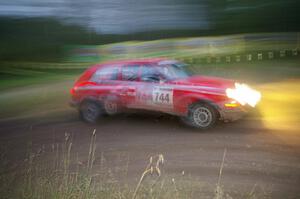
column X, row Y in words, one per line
column 162, row 96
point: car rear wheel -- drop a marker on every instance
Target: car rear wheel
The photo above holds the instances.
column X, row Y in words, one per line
column 111, row 106
column 90, row 111
column 201, row 116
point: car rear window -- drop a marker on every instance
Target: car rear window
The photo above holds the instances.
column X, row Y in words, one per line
column 107, row 73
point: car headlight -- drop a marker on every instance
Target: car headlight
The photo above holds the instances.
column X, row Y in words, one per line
column 243, row 94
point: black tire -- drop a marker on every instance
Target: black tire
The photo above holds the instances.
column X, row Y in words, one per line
column 90, row 111
column 201, row 116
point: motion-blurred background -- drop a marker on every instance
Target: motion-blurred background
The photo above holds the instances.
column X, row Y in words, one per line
column 34, row 30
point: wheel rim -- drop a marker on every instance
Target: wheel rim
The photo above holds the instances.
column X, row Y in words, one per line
column 110, row 107
column 202, row 116
column 90, row 112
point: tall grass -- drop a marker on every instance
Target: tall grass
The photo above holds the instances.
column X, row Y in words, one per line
column 58, row 173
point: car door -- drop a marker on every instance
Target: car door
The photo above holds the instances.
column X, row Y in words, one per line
column 153, row 92
column 130, row 81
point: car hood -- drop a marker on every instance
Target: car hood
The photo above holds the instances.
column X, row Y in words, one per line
column 206, row 82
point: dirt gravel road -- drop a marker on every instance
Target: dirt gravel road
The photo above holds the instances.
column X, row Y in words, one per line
column 257, row 158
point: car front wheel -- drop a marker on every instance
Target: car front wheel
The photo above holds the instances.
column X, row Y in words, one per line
column 201, row 116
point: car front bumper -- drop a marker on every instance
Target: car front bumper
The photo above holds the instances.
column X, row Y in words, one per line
column 231, row 115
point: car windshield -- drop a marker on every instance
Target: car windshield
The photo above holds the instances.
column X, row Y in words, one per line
column 175, row 71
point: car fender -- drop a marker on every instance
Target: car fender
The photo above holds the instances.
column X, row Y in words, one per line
column 90, row 99
column 183, row 103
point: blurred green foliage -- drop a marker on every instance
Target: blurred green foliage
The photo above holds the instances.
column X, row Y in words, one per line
column 42, row 39
column 243, row 16
column 37, row 39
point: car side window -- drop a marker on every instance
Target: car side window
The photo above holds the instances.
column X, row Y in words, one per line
column 130, row 72
column 107, row 73
column 150, row 74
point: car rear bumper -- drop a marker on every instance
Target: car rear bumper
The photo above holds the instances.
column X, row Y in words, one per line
column 73, row 103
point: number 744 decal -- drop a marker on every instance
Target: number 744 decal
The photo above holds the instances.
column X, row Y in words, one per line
column 162, row 96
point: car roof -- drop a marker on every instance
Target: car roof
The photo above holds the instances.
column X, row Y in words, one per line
column 157, row 61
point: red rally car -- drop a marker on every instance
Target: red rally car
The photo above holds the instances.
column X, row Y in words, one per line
column 160, row 85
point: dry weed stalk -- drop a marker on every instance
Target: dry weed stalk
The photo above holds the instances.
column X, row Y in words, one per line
column 218, row 188
column 175, row 187
column 91, row 156
column 251, row 194
column 149, row 170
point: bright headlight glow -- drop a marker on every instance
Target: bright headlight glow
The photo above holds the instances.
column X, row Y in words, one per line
column 243, row 94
